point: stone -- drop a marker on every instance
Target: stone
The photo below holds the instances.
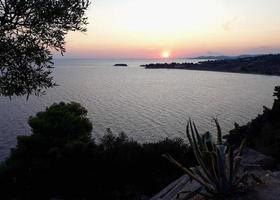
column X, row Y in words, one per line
column 252, row 158
column 253, row 162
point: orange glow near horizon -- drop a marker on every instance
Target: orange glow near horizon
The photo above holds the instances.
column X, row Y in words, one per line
column 150, row 28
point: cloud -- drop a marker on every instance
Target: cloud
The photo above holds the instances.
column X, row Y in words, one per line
column 227, row 26
column 213, row 53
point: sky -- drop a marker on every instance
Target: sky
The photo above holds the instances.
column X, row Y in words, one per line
column 177, row 29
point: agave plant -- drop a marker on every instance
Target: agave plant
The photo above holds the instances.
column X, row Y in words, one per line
column 218, row 171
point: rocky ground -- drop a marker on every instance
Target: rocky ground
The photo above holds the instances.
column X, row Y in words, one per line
column 264, row 167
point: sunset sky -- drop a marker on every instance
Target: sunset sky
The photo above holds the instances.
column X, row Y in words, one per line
column 177, row 28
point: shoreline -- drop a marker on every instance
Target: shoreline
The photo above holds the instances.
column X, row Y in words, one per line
column 206, row 70
column 260, row 65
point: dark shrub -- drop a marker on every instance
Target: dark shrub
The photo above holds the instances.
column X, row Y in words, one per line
column 59, row 159
column 263, row 132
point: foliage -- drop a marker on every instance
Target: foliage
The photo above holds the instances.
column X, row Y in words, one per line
column 29, row 31
column 62, row 123
column 60, row 160
column 263, row 132
column 218, row 168
column 277, row 92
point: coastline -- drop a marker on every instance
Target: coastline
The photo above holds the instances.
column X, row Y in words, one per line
column 259, row 65
column 210, row 70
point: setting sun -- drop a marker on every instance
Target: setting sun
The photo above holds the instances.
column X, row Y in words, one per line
column 139, row 29
column 101, row 83
column 165, row 54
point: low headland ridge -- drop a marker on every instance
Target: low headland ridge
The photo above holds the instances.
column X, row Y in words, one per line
column 263, row 64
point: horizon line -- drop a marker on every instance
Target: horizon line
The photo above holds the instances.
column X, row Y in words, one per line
column 187, row 57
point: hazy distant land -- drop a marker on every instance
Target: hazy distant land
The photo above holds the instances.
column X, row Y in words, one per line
column 223, row 57
column 263, row 64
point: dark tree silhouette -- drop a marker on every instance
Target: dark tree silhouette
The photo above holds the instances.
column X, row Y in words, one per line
column 263, row 132
column 277, row 92
column 60, row 160
column 62, row 123
column 29, row 31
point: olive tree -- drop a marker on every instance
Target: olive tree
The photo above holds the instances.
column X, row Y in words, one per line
column 30, row 30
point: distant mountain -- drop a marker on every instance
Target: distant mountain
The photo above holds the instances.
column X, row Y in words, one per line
column 222, row 57
column 251, row 64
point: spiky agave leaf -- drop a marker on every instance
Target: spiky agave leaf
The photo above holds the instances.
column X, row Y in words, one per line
column 237, row 160
column 200, row 156
column 219, row 132
column 218, row 168
column 190, row 173
column 221, row 158
column 231, row 165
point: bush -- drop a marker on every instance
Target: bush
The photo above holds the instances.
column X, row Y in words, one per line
column 263, row 132
column 60, row 159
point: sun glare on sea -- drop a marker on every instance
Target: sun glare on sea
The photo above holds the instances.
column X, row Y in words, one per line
column 165, row 54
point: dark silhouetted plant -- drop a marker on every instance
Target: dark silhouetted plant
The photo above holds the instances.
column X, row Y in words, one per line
column 262, row 132
column 218, row 165
column 60, row 159
column 29, row 32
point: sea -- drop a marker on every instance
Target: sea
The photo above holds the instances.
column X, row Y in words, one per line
column 147, row 104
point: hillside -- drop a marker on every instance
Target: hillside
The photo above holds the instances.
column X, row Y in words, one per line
column 265, row 64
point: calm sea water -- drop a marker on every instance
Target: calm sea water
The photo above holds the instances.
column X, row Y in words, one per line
column 148, row 105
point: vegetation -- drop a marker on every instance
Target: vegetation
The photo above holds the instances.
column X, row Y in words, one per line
column 263, row 132
column 61, row 160
column 218, row 168
column 265, row 64
column 29, row 31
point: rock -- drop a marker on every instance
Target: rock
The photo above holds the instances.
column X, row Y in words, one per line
column 171, row 191
column 120, row 65
column 252, row 161
column 252, row 158
column 276, row 174
column 270, row 190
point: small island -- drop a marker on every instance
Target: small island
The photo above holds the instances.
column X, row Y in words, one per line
column 264, row 64
column 120, row 65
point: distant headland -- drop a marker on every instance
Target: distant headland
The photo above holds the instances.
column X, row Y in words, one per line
column 224, row 57
column 261, row 64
